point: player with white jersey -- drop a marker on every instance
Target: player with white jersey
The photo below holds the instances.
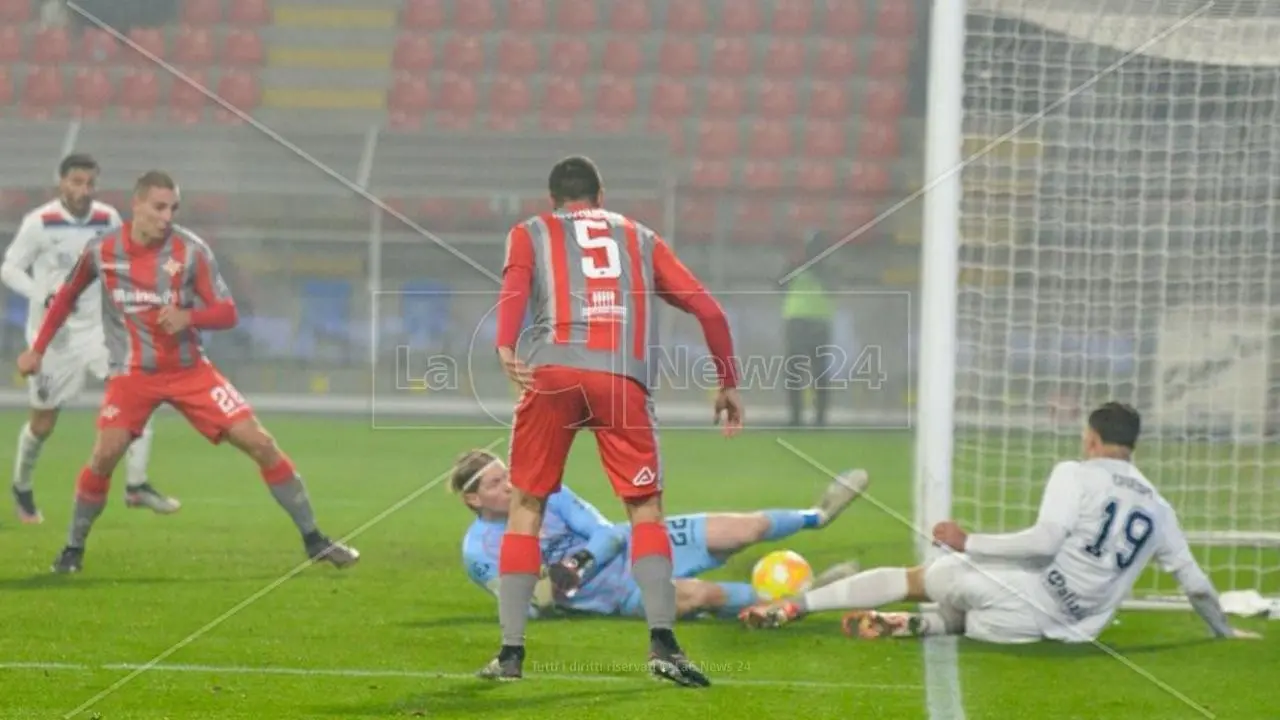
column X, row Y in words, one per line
column 1101, row 521
column 49, row 241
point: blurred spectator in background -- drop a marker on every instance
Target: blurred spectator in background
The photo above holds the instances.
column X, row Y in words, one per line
column 807, row 312
column 53, row 14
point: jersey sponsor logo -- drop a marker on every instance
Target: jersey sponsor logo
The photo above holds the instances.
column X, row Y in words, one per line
column 645, row 477
column 604, row 305
column 135, row 301
column 1067, row 599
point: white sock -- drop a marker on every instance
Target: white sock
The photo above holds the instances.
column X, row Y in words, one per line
column 24, row 463
column 137, row 458
column 941, row 622
column 864, row 591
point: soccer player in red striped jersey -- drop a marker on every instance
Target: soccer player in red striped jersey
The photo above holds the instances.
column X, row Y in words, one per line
column 591, row 276
column 160, row 287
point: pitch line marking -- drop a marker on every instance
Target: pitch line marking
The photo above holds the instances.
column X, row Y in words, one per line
column 427, row 675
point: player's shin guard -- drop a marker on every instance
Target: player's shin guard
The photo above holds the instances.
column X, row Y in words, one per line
column 651, row 568
column 91, row 495
column 288, row 489
column 519, row 563
column 24, row 463
column 137, row 457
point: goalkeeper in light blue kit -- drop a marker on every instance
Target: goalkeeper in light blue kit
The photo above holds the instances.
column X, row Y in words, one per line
column 586, row 564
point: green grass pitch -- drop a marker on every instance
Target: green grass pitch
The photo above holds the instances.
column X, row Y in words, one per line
column 398, row 635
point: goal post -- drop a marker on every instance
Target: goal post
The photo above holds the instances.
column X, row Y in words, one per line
column 1116, row 238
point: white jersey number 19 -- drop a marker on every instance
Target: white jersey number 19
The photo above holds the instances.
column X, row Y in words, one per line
column 1136, row 530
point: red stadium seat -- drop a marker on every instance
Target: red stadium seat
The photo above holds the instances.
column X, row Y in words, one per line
column 147, row 44
column 509, row 96
column 616, row 97
column 896, row 18
column 696, row 219
column 51, row 46
column 671, row 98
column 731, row 56
column 187, row 103
column 808, row 213
column 753, row 223
column 474, row 15
column 717, row 139
column 424, row 14
column 456, row 94
column 836, row 60
column 816, row 177
column 741, row 17
column 622, row 56
column 762, row 175
column 413, row 52
column 249, row 13
column 139, row 94
column 517, row 55
column 244, row 48
column 869, row 179
column 725, row 99
column 505, row 123
column 202, row 12
column 631, row 18
column 824, row 139
column 577, row 16
column 828, row 100
column 194, row 47
column 11, row 43
column 610, row 124
column 93, row 92
column 711, row 174
column 401, row 122
column 678, row 57
column 784, row 58
column 464, row 54
column 14, row 202
column 886, row 101
column 842, row 18
column 562, row 96
column 777, row 99
column 890, row 58
column 853, row 217
column 570, row 56
column 687, row 16
column 770, row 139
column 15, row 11
column 527, row 15
column 672, row 127
column 240, row 90
column 409, row 96
column 42, row 91
column 878, row 140
column 792, row 17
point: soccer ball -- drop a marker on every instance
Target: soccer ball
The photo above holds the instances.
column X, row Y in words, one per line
column 780, row 574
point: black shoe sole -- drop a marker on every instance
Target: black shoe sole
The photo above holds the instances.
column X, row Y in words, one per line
column 667, row 670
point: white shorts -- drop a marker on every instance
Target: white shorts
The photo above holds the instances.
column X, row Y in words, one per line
column 62, row 375
column 998, row 603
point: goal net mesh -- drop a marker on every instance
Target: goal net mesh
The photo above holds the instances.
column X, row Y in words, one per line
column 1118, row 242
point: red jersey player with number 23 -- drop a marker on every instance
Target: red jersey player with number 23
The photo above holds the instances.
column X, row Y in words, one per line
column 591, row 275
column 160, row 287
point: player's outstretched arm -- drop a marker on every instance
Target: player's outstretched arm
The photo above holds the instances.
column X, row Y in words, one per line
column 19, row 257
column 64, row 301
column 604, row 539
column 680, row 288
column 513, row 300
column 1058, row 511
column 1174, row 556
column 219, row 310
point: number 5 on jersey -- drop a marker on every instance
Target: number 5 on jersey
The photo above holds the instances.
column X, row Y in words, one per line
column 597, row 235
column 228, row 399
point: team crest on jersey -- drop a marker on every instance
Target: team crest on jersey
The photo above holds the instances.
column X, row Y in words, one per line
column 110, row 411
column 173, row 267
column 603, row 305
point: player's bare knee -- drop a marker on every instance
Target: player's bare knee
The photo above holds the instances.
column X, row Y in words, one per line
column 42, row 422
column 647, row 509
column 254, row 441
column 108, row 449
column 915, row 582
column 694, row 595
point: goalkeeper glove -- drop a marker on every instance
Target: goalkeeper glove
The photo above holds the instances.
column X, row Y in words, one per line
column 568, row 574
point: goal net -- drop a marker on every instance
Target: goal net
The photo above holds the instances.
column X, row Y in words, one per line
column 1119, row 241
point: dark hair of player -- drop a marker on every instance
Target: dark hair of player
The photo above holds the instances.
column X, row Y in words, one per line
column 575, row 179
column 154, row 179
column 1117, row 424
column 466, row 469
column 77, row 161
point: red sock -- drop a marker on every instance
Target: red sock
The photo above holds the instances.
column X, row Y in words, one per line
column 519, row 555
column 92, row 487
column 282, row 472
column 649, row 538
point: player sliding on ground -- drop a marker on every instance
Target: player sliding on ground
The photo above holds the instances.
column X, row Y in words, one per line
column 1101, row 521
column 584, row 554
column 160, row 288
column 592, row 276
column 45, row 249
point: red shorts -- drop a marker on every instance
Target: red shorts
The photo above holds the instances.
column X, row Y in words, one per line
column 618, row 411
column 204, row 397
